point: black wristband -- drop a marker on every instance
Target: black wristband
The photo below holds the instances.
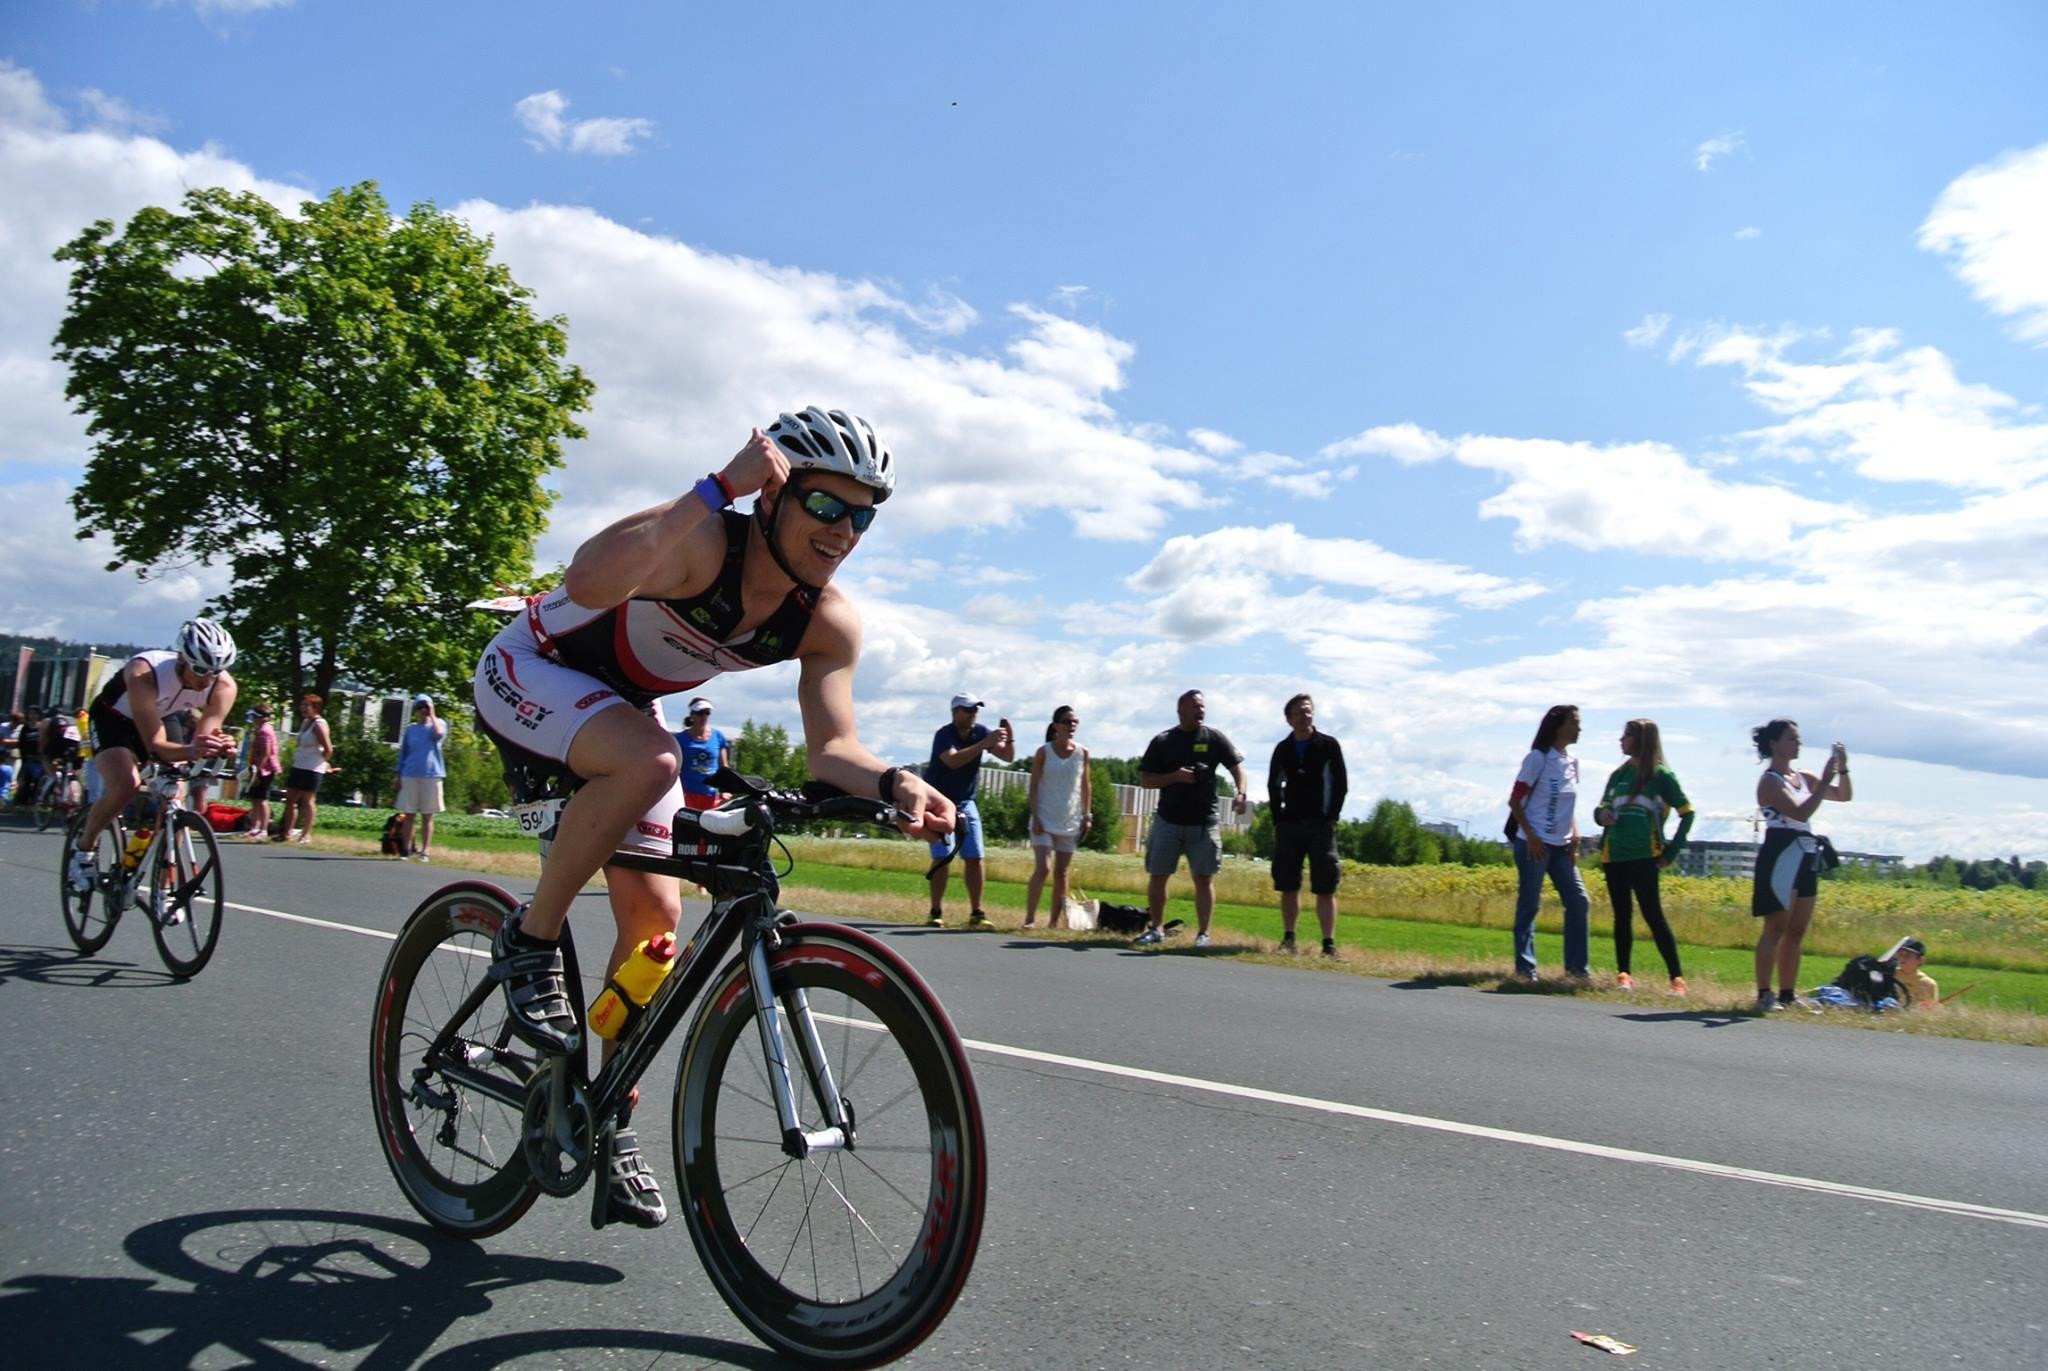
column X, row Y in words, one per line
column 887, row 786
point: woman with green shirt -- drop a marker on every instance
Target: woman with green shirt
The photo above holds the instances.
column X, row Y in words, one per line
column 1632, row 848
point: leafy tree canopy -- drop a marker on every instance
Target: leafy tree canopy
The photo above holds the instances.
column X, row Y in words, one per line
column 350, row 410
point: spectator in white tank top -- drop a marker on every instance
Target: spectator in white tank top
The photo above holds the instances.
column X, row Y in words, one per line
column 1060, row 799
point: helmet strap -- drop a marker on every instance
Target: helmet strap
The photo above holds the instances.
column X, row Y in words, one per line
column 767, row 523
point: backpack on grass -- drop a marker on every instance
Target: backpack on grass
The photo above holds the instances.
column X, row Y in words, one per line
column 1869, row 982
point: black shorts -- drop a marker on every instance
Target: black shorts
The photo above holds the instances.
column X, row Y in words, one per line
column 259, row 789
column 303, row 779
column 1295, row 839
column 110, row 730
column 1787, row 868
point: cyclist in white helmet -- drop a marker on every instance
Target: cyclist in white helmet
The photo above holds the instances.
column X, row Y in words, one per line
column 657, row 604
column 128, row 715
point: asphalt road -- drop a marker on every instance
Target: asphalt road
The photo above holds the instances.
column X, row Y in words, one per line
column 1195, row 1164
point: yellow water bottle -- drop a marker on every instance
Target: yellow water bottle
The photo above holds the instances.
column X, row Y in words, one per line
column 138, row 843
column 634, row 984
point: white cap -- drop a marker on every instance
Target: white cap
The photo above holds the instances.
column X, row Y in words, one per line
column 423, row 699
column 700, row 705
column 965, row 701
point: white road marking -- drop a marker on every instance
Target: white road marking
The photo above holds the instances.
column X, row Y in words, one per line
column 2018, row 1217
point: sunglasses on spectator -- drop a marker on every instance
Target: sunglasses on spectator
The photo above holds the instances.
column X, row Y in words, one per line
column 828, row 508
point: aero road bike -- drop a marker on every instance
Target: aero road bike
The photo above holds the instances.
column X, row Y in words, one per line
column 828, row 1140
column 170, row 871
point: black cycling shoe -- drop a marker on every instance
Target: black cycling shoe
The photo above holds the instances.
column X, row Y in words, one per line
column 536, row 991
column 629, row 1193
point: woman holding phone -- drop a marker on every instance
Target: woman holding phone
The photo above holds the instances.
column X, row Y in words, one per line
column 1788, row 863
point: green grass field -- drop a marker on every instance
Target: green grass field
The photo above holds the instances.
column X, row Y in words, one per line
column 1448, row 924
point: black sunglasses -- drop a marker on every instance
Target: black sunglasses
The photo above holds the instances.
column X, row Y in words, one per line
column 828, row 508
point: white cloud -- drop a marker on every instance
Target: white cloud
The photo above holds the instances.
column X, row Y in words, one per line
column 1214, row 443
column 1405, row 443
column 1748, row 233
column 1992, row 224
column 1890, row 412
column 1647, row 333
column 1281, row 551
column 1721, row 145
column 111, row 112
column 542, row 116
column 1640, row 497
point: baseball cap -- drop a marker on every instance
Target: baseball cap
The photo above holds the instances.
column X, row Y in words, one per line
column 965, row 701
column 260, row 712
column 700, row 705
column 423, row 699
column 1912, row 945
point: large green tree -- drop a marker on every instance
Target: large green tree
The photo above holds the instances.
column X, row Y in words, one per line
column 352, row 411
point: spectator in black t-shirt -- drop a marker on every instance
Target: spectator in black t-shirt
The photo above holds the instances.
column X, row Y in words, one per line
column 953, row 771
column 1181, row 765
column 1305, row 785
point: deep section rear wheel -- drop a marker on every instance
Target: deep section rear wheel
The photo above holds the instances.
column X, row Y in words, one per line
column 448, row 1077
column 843, row 1258
column 183, row 896
column 89, row 916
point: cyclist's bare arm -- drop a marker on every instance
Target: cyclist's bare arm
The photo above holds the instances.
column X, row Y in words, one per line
column 210, row 739
column 832, row 747
column 652, row 553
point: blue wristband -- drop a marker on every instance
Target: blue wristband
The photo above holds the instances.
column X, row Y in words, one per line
column 711, row 493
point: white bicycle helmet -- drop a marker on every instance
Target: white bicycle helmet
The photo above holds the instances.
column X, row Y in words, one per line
column 205, row 646
column 833, row 440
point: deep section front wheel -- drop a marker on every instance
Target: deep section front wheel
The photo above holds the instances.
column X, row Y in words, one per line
column 183, row 894
column 90, row 915
column 844, row 1257
column 448, row 1077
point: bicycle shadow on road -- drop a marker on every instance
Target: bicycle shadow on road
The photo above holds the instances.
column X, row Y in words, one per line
column 66, row 966
column 259, row 1283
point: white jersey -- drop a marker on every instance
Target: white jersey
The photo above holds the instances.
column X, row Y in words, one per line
column 1796, row 792
column 172, row 696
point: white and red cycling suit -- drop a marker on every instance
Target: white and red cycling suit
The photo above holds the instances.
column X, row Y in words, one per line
column 558, row 664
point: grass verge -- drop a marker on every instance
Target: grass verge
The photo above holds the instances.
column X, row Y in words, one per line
column 1464, row 941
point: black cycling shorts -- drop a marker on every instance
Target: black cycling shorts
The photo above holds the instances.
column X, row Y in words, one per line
column 110, row 730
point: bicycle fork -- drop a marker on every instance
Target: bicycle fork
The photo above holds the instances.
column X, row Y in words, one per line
column 797, row 1142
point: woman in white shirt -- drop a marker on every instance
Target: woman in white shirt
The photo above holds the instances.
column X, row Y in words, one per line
column 1059, row 804
column 1544, row 825
column 312, row 762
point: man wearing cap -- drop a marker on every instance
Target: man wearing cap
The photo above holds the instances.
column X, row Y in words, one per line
column 1908, row 957
column 705, row 751
column 420, row 772
column 953, row 771
column 262, row 764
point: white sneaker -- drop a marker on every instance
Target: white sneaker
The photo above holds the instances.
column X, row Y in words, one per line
column 1148, row 937
column 83, row 873
column 1201, row 940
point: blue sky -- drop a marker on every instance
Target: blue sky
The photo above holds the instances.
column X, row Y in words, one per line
column 1444, row 361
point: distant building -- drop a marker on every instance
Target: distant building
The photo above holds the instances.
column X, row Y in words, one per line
column 1709, row 858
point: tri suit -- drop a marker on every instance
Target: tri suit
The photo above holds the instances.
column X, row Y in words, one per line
column 112, row 713
column 1788, row 863
column 559, row 664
